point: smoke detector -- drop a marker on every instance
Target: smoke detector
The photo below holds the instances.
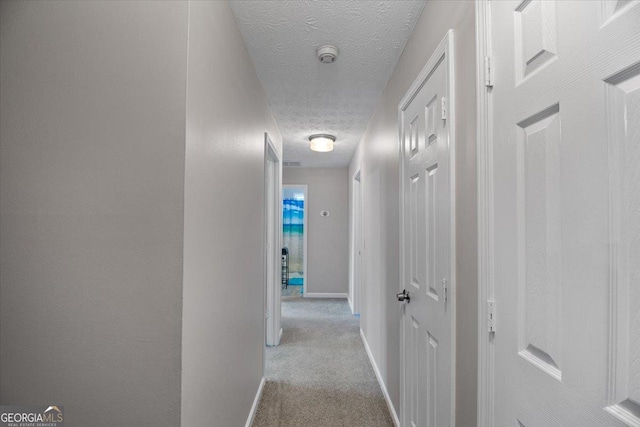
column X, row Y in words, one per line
column 327, row 54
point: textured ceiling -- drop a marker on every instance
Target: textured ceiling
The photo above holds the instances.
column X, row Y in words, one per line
column 309, row 97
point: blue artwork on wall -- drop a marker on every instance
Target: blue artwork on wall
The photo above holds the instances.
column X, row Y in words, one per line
column 293, row 235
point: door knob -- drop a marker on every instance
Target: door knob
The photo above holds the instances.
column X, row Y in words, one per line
column 404, row 296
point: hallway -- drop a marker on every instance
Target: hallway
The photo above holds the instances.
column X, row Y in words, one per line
column 471, row 227
column 320, row 375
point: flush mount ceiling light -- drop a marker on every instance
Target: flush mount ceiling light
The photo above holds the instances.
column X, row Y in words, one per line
column 322, row 143
column 327, row 54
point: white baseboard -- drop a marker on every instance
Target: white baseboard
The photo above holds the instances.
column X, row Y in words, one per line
column 256, row 402
column 392, row 410
column 324, row 295
column 280, row 336
column 350, row 304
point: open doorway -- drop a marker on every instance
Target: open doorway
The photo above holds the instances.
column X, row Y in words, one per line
column 294, row 240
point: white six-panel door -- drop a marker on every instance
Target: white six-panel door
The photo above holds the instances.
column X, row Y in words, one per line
column 565, row 162
column 427, row 245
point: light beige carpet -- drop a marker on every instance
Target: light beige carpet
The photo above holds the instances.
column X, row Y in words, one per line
column 320, row 375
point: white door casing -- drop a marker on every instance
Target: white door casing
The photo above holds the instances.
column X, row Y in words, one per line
column 357, row 243
column 427, row 152
column 559, row 206
column 273, row 232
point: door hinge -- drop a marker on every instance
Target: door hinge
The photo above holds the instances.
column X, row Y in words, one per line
column 266, row 314
column 491, row 316
column 445, row 290
column 488, row 71
column 443, row 105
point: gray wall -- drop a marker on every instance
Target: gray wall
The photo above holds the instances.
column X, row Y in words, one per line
column 92, row 106
column 223, row 324
column 328, row 237
column 104, row 213
column 377, row 155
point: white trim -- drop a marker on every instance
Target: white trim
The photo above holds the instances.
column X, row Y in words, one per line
column 387, row 398
column 256, row 402
column 445, row 49
column 401, row 334
column 484, row 141
column 352, row 232
column 273, row 291
column 280, row 335
column 305, row 231
column 355, row 235
column 326, row 295
column 453, row 291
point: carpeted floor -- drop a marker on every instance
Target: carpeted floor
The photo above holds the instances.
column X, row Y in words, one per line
column 320, row 375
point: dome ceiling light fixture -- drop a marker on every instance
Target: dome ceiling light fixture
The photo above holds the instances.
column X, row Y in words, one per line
column 321, row 143
column 327, row 54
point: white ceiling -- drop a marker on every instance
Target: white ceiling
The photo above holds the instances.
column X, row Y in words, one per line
column 309, row 97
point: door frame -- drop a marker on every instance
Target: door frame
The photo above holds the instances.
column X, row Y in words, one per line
column 305, row 229
column 484, row 144
column 273, row 229
column 446, row 49
column 356, row 242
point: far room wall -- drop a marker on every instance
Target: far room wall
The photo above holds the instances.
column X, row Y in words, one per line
column 328, row 240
